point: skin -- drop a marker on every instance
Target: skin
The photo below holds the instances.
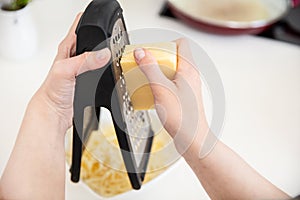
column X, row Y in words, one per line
column 36, row 168
column 222, row 173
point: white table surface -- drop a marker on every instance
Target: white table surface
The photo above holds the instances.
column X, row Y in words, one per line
column 262, row 87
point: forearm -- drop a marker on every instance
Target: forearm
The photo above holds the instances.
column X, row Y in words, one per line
column 225, row 175
column 38, row 156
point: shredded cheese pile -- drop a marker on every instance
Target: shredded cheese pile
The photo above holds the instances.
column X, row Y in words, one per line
column 102, row 167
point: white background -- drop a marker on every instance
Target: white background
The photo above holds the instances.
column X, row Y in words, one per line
column 262, row 87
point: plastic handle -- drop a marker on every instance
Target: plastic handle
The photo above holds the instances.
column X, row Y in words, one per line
column 94, row 27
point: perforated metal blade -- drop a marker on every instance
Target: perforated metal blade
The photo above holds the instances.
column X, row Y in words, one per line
column 138, row 126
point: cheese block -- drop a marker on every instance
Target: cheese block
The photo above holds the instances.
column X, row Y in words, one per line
column 137, row 84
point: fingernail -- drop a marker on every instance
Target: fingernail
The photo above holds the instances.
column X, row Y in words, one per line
column 139, row 54
column 102, row 54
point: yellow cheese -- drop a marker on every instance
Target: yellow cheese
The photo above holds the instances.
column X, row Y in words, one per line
column 136, row 82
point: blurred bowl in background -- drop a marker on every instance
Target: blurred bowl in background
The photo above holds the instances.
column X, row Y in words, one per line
column 231, row 16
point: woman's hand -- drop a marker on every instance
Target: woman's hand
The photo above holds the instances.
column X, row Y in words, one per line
column 57, row 92
column 39, row 152
column 222, row 173
column 178, row 102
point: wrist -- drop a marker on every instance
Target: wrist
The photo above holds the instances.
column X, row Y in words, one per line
column 202, row 145
column 198, row 160
column 42, row 113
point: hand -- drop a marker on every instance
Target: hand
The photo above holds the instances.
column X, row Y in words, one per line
column 57, row 92
column 39, row 151
column 178, row 102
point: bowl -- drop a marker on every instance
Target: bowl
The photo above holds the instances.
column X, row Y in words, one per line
column 102, row 169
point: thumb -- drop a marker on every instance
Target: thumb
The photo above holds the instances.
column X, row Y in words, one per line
column 87, row 61
column 94, row 60
column 150, row 67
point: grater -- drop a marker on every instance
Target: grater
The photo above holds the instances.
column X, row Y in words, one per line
column 102, row 25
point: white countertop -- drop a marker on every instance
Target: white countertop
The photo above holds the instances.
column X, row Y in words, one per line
column 262, row 87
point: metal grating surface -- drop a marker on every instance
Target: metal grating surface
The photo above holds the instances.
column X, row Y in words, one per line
column 137, row 122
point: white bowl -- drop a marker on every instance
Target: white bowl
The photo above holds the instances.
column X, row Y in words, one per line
column 105, row 121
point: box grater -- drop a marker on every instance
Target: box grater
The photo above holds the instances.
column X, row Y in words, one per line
column 102, row 25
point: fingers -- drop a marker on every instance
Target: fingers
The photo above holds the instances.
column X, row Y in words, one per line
column 72, row 30
column 186, row 67
column 67, row 47
column 150, row 67
column 72, row 67
column 184, row 54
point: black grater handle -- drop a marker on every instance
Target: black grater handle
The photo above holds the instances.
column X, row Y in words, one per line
column 92, row 33
column 96, row 88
